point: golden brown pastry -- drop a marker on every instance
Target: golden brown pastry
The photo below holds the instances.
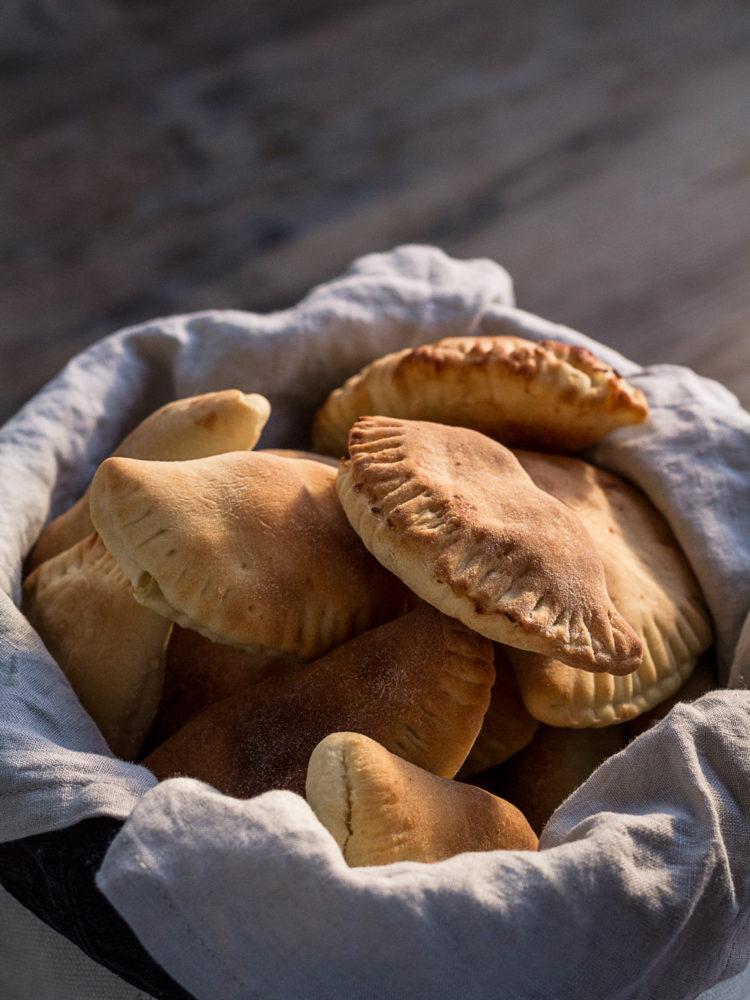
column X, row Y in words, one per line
column 214, row 422
column 508, row 726
column 247, row 548
column 544, row 395
column 420, row 685
column 199, row 673
column 454, row 515
column 651, row 585
column 111, row 649
column 380, row 808
column 296, row 453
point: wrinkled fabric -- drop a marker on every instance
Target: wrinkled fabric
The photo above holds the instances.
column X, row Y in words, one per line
column 641, row 886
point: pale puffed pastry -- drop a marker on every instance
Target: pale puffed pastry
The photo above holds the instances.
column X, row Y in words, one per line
column 228, row 420
column 420, row 685
column 508, row 726
column 541, row 776
column 110, row 647
column 382, row 809
column 247, row 548
column 454, row 515
column 651, row 585
column 545, row 395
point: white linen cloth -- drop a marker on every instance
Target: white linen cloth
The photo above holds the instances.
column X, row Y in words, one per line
column 642, row 886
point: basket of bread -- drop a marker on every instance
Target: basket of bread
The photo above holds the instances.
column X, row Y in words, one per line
column 401, row 622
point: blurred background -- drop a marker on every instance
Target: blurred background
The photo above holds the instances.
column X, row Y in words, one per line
column 163, row 158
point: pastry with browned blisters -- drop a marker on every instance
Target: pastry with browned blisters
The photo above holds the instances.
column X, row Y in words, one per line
column 546, row 395
column 194, row 427
column 420, row 685
column 651, row 585
column 247, row 548
column 111, row 648
column 454, row 515
column 381, row 809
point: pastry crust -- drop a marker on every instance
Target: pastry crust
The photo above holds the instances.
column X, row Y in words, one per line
column 420, row 685
column 111, row 649
column 508, row 725
column 248, row 549
column 651, row 585
column 194, row 427
column 199, row 673
column 381, row 809
column 453, row 514
column 546, row 395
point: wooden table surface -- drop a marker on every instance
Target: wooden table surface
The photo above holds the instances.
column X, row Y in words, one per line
column 161, row 158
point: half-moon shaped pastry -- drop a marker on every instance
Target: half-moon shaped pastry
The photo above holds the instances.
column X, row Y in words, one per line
column 111, row 648
column 247, row 548
column 381, row 809
column 454, row 515
column 419, row 685
column 546, row 395
column 194, row 427
column 651, row 585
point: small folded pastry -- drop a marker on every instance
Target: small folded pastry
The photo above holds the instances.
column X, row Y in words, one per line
column 544, row 395
column 508, row 726
column 380, row 808
column 541, row 776
column 651, row 585
column 111, row 649
column 420, row 685
column 454, row 515
column 199, row 673
column 214, row 422
column 246, row 548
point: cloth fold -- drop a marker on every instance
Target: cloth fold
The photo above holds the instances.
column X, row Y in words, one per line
column 641, row 886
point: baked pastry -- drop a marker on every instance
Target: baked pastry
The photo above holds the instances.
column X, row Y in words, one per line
column 454, row 515
column 508, row 726
column 297, row 453
column 540, row 777
column 194, row 427
column 248, row 549
column 111, row 648
column 651, row 585
column 199, row 673
column 420, row 685
column 381, row 809
column 546, row 395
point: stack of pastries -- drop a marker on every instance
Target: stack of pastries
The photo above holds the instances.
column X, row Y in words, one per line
column 434, row 623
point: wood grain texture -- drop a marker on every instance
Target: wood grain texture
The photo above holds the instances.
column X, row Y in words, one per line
column 162, row 158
